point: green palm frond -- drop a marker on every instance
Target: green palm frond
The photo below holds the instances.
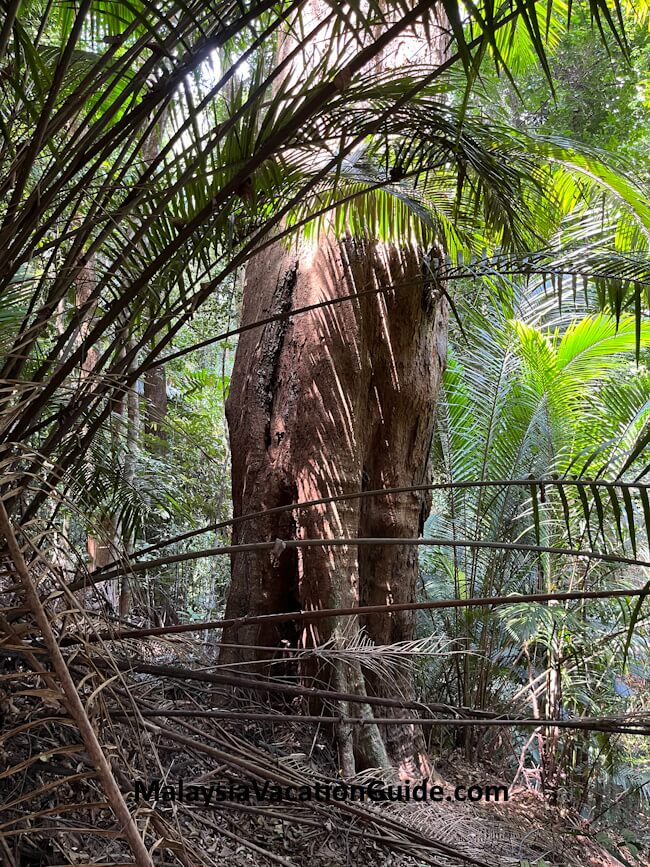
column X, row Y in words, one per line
column 517, row 407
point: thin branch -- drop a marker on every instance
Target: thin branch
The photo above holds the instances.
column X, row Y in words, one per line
column 135, row 568
column 602, row 724
column 309, row 616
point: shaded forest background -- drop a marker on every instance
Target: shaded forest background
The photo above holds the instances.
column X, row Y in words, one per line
column 145, row 155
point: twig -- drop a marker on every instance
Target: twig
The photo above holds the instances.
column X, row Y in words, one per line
column 11, row 862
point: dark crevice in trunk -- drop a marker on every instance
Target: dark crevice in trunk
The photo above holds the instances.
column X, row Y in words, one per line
column 274, row 342
column 287, row 567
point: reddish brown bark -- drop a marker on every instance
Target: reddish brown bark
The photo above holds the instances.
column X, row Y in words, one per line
column 406, row 345
column 327, row 403
column 324, row 404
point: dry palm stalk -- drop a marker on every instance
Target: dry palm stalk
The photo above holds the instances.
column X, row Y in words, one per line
column 285, row 777
column 72, row 700
column 309, row 616
column 635, row 725
column 624, row 725
column 361, row 542
column 379, row 492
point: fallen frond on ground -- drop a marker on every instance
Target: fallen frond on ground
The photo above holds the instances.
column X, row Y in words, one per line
column 56, row 810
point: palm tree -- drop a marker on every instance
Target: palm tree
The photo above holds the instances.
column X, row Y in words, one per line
column 547, row 401
column 386, row 155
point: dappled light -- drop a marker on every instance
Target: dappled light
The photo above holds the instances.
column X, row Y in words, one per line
column 324, row 433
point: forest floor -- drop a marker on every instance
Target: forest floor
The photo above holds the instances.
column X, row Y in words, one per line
column 54, row 812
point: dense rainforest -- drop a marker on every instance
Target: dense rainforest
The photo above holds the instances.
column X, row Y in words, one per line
column 324, row 433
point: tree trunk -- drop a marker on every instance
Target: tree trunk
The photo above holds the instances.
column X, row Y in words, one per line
column 328, row 403
column 324, row 404
column 130, row 469
column 406, row 346
column 155, row 395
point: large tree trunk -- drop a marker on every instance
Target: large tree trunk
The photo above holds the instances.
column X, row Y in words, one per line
column 328, row 403
column 405, row 336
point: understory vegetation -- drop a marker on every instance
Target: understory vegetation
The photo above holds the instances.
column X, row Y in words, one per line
column 282, row 284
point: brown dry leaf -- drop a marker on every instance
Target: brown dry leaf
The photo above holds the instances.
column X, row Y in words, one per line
column 50, row 697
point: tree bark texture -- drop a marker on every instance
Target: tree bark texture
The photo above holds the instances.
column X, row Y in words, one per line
column 328, row 403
